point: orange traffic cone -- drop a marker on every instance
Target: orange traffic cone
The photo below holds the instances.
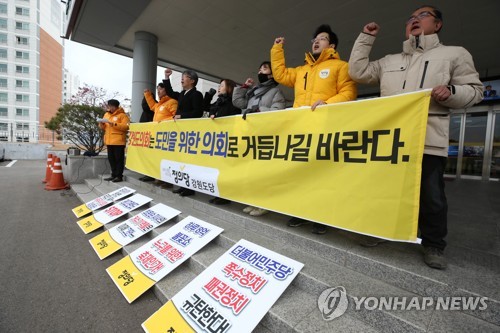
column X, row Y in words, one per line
column 57, row 179
column 48, row 170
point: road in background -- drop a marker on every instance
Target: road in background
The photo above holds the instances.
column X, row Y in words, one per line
column 51, row 278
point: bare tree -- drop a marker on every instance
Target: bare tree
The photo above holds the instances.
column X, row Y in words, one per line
column 93, row 96
column 77, row 120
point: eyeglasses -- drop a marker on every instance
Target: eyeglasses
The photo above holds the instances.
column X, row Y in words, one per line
column 319, row 39
column 420, row 16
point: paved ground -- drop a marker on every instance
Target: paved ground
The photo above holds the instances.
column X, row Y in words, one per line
column 50, row 278
column 52, row 281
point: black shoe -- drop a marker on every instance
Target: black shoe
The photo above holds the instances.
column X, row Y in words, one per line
column 146, row 179
column 369, row 241
column 166, row 185
column 117, row 180
column 296, row 222
column 220, row 201
column 186, row 193
column 179, row 190
column 434, row 258
column 109, row 178
column 319, row 229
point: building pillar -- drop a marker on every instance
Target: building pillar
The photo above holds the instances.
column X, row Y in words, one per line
column 144, row 70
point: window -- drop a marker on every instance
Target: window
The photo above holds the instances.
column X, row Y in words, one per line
column 3, row 53
column 4, row 112
column 3, row 68
column 3, row 38
column 22, row 83
column 3, row 83
column 22, row 112
column 4, row 97
column 22, row 98
column 22, row 55
column 22, row 40
column 3, row 23
column 3, row 8
column 22, row 127
column 4, row 127
column 22, row 69
column 22, row 11
column 22, row 25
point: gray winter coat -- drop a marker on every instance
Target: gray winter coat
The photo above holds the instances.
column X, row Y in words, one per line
column 425, row 66
column 265, row 96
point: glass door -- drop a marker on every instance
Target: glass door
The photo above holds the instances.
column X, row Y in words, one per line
column 474, row 143
column 454, row 144
column 495, row 152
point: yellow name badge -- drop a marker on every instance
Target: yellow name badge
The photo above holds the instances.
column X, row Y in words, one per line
column 104, row 245
column 129, row 279
column 166, row 319
column 81, row 210
column 89, row 224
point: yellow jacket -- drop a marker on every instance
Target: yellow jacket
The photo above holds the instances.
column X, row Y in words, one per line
column 115, row 132
column 325, row 79
column 164, row 110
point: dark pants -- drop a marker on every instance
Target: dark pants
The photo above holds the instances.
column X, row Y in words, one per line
column 116, row 158
column 433, row 220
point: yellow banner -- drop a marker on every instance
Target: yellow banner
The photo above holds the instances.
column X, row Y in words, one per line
column 354, row 166
column 167, row 319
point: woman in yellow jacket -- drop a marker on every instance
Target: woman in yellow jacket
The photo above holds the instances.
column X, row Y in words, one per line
column 115, row 125
column 323, row 79
column 166, row 108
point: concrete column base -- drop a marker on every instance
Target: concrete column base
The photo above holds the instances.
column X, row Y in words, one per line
column 80, row 168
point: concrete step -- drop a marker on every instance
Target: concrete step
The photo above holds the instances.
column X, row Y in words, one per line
column 330, row 260
column 401, row 263
column 281, row 318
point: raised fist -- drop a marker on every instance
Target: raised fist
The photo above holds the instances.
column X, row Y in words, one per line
column 371, row 28
column 279, row 40
column 249, row 82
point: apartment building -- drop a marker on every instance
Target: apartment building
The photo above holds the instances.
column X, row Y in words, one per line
column 31, row 67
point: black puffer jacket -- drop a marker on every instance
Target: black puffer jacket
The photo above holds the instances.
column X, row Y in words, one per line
column 147, row 114
column 222, row 107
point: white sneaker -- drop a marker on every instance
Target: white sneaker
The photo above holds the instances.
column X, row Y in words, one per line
column 248, row 209
column 258, row 212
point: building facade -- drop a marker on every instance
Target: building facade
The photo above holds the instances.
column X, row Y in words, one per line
column 71, row 82
column 31, row 65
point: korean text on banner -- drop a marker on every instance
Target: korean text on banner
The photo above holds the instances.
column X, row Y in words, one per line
column 231, row 295
column 150, row 263
column 113, row 212
column 102, row 201
column 353, row 165
column 112, row 240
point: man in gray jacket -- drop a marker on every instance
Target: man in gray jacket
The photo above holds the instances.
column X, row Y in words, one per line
column 424, row 64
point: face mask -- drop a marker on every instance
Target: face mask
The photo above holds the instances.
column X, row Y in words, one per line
column 263, row 77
